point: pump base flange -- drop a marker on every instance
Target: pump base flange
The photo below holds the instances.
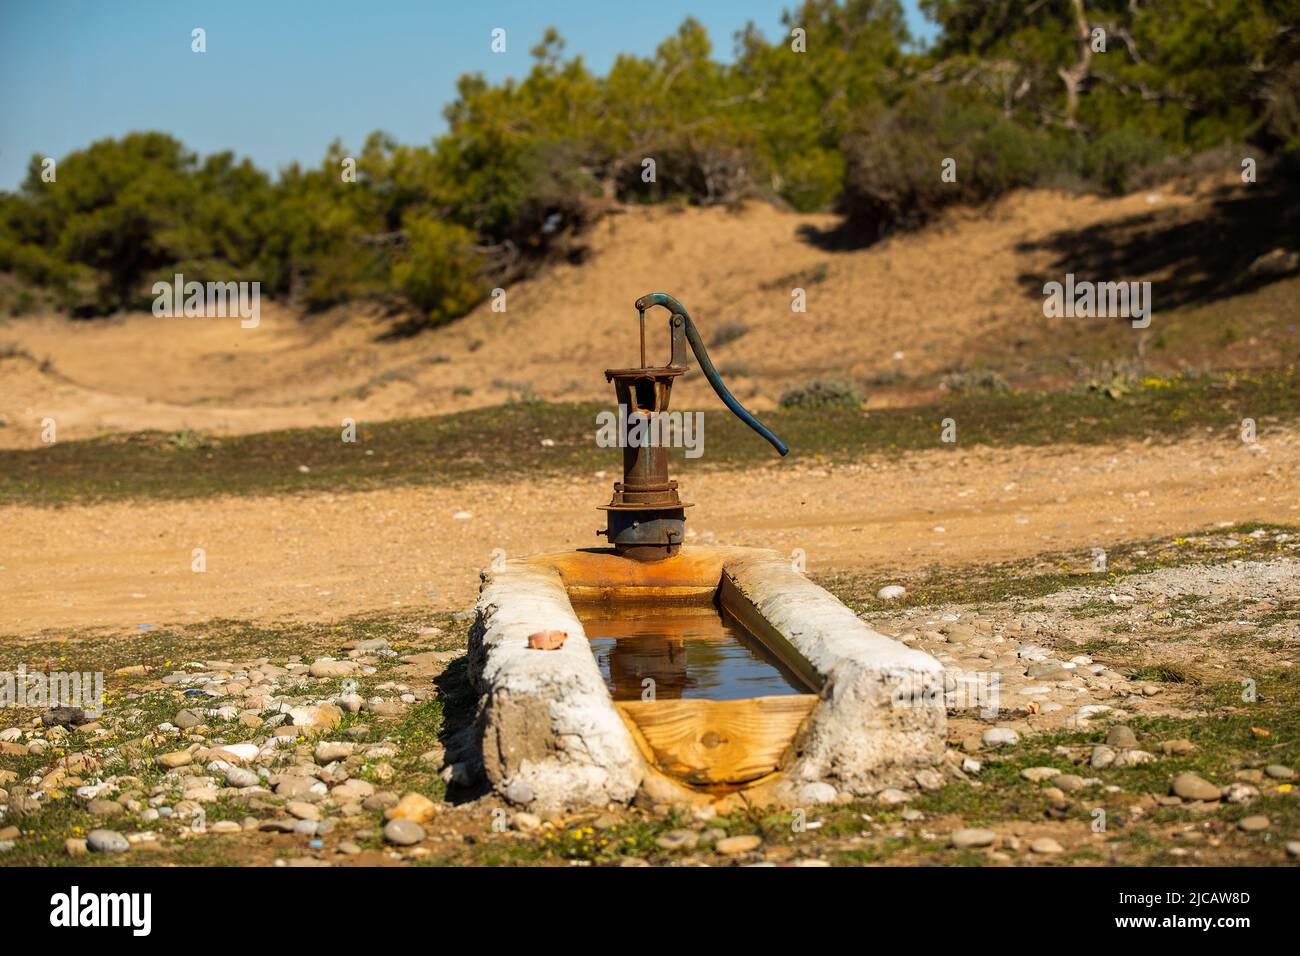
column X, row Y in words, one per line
column 650, row 534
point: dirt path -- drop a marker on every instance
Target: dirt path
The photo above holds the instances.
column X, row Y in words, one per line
column 125, row 564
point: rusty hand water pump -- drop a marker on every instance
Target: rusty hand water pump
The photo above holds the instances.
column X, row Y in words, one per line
column 647, row 517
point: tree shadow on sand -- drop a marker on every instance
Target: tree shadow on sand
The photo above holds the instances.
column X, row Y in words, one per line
column 1199, row 257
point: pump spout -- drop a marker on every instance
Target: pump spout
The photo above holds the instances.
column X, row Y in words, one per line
column 682, row 317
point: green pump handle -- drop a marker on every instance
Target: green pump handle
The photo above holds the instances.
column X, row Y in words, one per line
column 682, row 324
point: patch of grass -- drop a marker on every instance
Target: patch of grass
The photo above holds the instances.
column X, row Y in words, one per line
column 135, row 706
column 1031, row 579
column 880, row 851
column 966, row 381
column 823, row 394
column 504, row 442
column 1165, row 672
column 165, row 648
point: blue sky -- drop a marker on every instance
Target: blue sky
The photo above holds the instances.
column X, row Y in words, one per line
column 282, row 78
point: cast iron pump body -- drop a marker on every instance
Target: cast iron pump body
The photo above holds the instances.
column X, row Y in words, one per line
column 647, row 517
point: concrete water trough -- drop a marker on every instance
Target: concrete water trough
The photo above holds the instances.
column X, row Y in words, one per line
column 700, row 674
column 854, row 711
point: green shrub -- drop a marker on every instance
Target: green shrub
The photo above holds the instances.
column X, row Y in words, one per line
column 975, row 380
column 894, row 159
column 823, row 393
column 439, row 273
column 1114, row 159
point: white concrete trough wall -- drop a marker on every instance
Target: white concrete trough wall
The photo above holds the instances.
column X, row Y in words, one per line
column 551, row 738
column 881, row 716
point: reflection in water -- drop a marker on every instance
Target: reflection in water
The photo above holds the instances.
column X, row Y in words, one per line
column 689, row 652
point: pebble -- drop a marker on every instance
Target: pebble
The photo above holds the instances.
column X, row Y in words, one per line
column 733, row 846
column 1279, row 772
column 1045, row 845
column 1121, row 738
column 1179, row 748
column 1089, row 711
column 302, row 810
column 291, row 788
column 1039, row 774
column 527, row 822
column 1000, row 737
column 241, row 753
column 106, row 841
column 179, row 758
column 1132, row 758
column 330, row 751
column 958, row 633
column 103, row 808
column 1253, row 824
column 1293, row 849
column 325, row 667
column 1069, row 782
column 415, row 807
column 1049, row 671
column 893, row 796
column 1239, row 792
column 380, row 801
column 970, row 838
column 930, row 779
column 891, row 592
column 700, row 813
column 519, row 792
column 678, row 840
column 187, row 719
column 1191, row 787
column 241, row 778
column 353, row 789
column 317, row 718
column 817, row 791
column 403, row 832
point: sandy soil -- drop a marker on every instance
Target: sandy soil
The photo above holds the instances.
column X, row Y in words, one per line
column 123, row 564
column 912, row 304
column 925, row 296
